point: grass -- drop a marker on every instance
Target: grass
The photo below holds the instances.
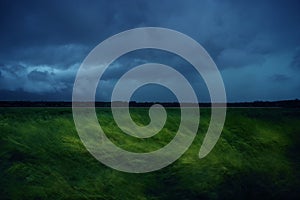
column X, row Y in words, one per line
column 257, row 156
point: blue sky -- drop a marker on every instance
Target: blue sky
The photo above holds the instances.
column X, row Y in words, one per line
column 255, row 44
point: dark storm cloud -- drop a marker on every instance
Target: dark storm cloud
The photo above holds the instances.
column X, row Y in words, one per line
column 14, row 70
column 280, row 78
column 39, row 32
column 61, row 32
column 296, row 59
column 44, row 42
column 238, row 58
column 138, row 57
column 62, row 56
column 38, row 76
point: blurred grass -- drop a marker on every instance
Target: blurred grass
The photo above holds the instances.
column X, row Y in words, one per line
column 257, row 156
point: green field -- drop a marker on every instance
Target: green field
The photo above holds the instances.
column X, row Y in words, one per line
column 257, row 156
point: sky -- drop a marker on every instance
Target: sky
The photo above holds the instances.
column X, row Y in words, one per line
column 255, row 45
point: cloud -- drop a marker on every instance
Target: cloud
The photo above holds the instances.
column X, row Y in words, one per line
column 280, row 78
column 44, row 42
column 295, row 64
column 60, row 56
column 35, row 26
column 37, row 75
column 238, row 58
column 37, row 79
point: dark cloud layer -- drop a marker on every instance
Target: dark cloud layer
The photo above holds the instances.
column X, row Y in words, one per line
column 296, row 59
column 44, row 42
column 280, row 78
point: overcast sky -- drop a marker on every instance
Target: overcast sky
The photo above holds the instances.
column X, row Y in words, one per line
column 255, row 44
